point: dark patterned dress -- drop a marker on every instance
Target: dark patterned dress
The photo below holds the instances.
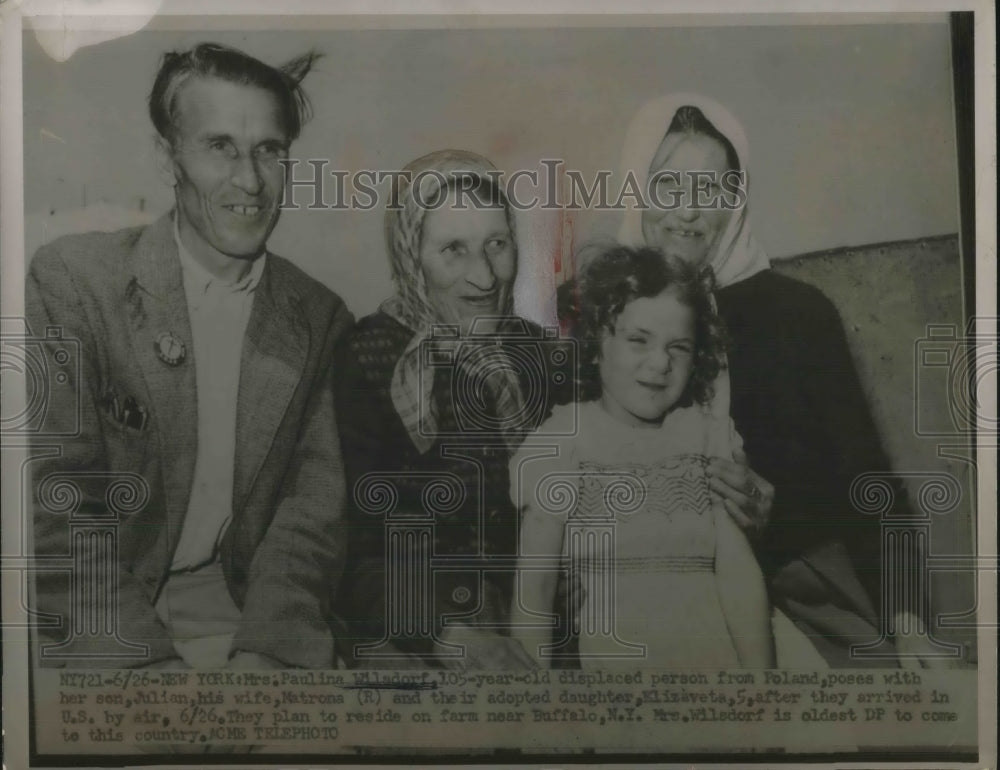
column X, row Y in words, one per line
column 432, row 535
column 798, row 403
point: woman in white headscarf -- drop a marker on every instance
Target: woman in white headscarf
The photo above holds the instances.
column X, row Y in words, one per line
column 795, row 395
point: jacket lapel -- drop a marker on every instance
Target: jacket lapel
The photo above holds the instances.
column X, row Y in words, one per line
column 156, row 305
column 274, row 354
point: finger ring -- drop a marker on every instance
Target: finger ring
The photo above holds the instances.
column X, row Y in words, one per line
column 755, row 494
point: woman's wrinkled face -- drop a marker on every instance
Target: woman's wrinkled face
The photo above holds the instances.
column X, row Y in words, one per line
column 468, row 261
column 646, row 361
column 688, row 230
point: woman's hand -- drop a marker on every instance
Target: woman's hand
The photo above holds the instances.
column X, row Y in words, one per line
column 486, row 650
column 747, row 496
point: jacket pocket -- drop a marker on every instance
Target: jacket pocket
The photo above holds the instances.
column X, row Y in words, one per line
column 126, row 447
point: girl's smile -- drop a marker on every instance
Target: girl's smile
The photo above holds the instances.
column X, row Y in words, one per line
column 647, row 359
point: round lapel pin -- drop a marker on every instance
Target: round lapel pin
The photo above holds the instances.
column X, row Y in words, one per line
column 169, row 349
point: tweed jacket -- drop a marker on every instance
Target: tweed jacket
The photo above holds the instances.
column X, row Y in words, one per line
column 116, row 294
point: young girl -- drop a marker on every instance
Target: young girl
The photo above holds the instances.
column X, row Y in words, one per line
column 668, row 578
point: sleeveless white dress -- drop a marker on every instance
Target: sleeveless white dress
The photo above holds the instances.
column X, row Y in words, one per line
column 640, row 534
column 639, row 531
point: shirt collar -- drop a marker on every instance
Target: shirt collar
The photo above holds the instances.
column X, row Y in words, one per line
column 197, row 278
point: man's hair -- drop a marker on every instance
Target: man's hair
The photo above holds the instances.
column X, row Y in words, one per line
column 229, row 64
column 691, row 120
column 589, row 306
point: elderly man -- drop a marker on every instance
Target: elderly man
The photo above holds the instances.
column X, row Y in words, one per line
column 206, row 372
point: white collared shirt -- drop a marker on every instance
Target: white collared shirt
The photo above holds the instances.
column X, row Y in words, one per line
column 219, row 313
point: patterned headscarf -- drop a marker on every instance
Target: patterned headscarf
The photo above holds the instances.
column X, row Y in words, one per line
column 413, row 378
column 737, row 255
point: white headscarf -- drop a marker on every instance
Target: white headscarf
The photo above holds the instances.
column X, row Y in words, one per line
column 737, row 255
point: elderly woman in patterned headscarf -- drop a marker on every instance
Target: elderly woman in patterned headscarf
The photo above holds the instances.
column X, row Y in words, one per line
column 436, row 390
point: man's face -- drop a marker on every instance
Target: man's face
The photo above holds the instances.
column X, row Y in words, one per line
column 228, row 139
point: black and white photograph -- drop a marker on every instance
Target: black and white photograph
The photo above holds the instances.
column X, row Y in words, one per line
column 529, row 389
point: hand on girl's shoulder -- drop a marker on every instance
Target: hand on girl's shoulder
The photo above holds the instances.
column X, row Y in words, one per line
column 565, row 418
column 562, row 422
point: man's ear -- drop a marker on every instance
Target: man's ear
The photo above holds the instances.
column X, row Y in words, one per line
column 164, row 161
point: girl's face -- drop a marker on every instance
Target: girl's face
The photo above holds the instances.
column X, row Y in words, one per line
column 687, row 230
column 646, row 360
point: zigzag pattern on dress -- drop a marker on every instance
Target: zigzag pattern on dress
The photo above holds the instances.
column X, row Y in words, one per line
column 675, row 486
column 647, row 564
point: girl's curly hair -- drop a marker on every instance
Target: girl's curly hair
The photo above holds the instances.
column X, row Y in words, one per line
column 589, row 306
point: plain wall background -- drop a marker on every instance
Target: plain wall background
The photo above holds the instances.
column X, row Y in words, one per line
column 850, row 127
